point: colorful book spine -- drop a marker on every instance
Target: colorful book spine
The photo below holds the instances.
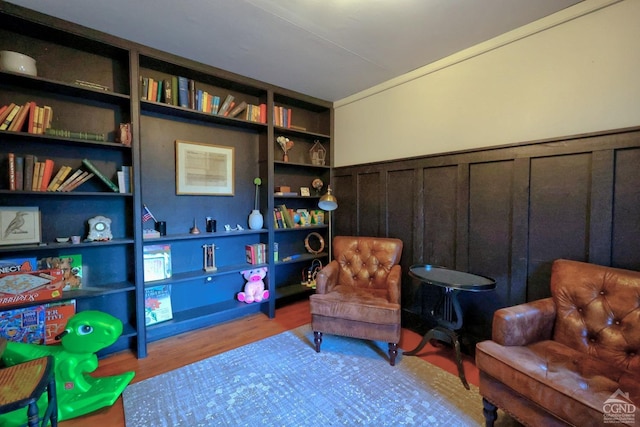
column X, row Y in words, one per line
column 225, row 105
column 10, row 117
column 19, row 173
column 12, row 171
column 46, row 174
column 29, row 161
column 100, row 175
column 174, row 87
column 89, row 136
column 183, row 92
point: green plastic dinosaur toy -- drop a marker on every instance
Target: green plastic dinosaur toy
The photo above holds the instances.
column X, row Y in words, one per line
column 78, row 392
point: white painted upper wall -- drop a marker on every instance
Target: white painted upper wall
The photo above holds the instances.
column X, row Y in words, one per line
column 574, row 72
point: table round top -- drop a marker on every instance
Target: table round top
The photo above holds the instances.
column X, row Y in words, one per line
column 447, row 278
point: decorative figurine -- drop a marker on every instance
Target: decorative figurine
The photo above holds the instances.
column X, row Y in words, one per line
column 209, row 254
column 194, row 229
column 317, row 185
column 285, row 144
column 99, row 229
column 318, row 154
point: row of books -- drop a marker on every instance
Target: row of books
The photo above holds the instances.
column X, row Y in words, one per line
column 36, row 120
column 28, row 117
column 180, row 91
column 256, row 253
column 30, row 174
column 284, row 217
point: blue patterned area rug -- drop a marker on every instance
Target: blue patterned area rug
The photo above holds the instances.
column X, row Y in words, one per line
column 282, row 381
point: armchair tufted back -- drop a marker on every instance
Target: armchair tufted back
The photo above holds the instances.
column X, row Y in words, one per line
column 365, row 262
column 598, row 311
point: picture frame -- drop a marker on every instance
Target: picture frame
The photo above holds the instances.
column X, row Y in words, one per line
column 204, row 169
column 304, row 191
column 20, row 225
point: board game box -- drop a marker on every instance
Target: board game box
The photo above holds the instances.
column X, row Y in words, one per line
column 57, row 315
column 26, row 325
column 17, row 265
column 28, row 287
column 71, row 266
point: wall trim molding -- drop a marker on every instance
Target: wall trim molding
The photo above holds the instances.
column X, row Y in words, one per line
column 581, row 9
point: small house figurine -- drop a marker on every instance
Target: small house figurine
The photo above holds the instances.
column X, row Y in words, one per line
column 318, row 154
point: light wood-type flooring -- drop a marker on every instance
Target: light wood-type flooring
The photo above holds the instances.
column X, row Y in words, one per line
column 171, row 353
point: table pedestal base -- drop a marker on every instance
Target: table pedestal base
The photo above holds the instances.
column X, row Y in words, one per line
column 448, row 336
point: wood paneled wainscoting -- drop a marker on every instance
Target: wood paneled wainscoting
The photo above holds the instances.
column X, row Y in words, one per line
column 506, row 212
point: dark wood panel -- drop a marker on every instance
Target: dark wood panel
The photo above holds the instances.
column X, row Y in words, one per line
column 600, row 219
column 626, row 210
column 507, row 212
column 559, row 210
column 399, row 216
column 344, row 219
column 439, row 204
column 368, row 203
column 490, row 213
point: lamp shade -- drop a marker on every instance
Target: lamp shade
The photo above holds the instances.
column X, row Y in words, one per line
column 328, row 202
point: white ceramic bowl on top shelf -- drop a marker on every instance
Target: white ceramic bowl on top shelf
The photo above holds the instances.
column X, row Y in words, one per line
column 17, row 63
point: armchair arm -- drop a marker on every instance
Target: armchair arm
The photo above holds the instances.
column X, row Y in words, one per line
column 327, row 278
column 525, row 323
column 394, row 283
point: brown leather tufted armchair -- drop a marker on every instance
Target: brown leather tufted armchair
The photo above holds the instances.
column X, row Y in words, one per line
column 358, row 293
column 572, row 359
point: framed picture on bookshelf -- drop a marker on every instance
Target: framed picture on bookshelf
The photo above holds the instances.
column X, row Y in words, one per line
column 204, row 169
column 19, row 225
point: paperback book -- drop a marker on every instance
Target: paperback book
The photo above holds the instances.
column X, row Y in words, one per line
column 157, row 304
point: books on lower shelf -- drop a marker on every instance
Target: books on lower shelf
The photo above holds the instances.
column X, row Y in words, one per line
column 34, row 119
column 29, row 173
column 157, row 304
column 100, row 175
column 28, row 117
column 256, row 253
column 157, row 262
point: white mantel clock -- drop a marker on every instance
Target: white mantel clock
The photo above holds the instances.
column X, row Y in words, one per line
column 99, row 229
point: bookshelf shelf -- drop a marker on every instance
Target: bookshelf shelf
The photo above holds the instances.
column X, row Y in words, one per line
column 61, row 88
column 205, row 276
column 22, row 137
column 187, row 113
column 198, row 317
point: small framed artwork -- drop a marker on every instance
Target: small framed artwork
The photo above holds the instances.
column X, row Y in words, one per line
column 19, row 225
column 304, row 191
column 204, row 169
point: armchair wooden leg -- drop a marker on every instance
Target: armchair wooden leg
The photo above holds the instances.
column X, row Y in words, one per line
column 393, row 352
column 317, row 340
column 490, row 412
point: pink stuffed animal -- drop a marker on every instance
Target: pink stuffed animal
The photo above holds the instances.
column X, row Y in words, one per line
column 254, row 290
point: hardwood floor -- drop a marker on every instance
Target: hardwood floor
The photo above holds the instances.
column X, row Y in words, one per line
column 172, row 353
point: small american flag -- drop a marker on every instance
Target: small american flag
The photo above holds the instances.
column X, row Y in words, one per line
column 147, row 215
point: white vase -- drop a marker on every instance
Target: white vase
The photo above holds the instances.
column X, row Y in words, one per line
column 255, row 220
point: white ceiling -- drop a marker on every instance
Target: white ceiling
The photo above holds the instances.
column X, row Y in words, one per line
column 329, row 49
